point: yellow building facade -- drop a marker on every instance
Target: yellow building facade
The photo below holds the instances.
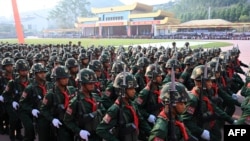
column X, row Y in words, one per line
column 135, row 20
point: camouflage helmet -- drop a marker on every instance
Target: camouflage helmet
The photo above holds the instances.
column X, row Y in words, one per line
column 153, row 70
column 7, row 54
column 38, row 57
column 82, row 56
column 86, row 75
column 198, row 73
column 66, row 56
column 142, row 62
column 104, row 58
column 21, row 64
column 173, row 62
column 130, row 81
column 215, row 66
column 163, row 58
column 71, row 62
column 189, row 60
column 117, row 67
column 180, row 93
column 60, row 72
column 38, row 67
column 8, row 61
column 95, row 65
column 18, row 55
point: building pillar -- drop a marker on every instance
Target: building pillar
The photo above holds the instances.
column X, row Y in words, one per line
column 137, row 30
column 128, row 30
column 100, row 31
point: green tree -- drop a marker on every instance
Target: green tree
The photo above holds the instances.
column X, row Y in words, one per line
column 66, row 12
column 244, row 18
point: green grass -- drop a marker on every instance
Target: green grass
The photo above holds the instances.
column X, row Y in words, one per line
column 213, row 44
column 115, row 42
column 88, row 42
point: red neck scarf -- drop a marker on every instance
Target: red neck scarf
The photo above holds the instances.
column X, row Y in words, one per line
column 66, row 98
column 92, row 102
column 210, row 109
column 44, row 90
column 9, row 77
column 177, row 123
column 24, row 84
column 132, row 110
column 157, row 93
column 230, row 72
column 215, row 88
column 106, row 74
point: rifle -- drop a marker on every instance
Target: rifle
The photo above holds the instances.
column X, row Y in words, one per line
column 172, row 92
column 121, row 121
column 203, row 89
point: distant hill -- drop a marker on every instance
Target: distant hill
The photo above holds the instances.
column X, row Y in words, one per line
column 231, row 10
column 104, row 3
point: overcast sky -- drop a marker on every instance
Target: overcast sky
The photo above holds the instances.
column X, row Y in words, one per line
column 28, row 5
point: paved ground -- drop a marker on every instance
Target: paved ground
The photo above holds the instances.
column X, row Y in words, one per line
column 244, row 57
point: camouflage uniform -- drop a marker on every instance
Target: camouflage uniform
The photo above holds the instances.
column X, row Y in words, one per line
column 30, row 101
column 84, row 112
column 123, row 118
column 53, row 108
column 162, row 130
column 201, row 114
column 12, row 95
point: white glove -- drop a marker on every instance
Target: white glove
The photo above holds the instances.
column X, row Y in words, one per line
column 35, row 113
column 205, row 135
column 235, row 122
column 1, row 98
column 56, row 123
column 151, row 119
column 84, row 134
column 235, row 96
column 15, row 105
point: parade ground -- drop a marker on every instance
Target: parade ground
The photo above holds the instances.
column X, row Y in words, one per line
column 244, row 46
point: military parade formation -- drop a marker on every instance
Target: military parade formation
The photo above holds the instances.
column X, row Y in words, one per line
column 67, row 92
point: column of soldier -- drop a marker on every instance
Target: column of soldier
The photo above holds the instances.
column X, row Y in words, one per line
column 66, row 92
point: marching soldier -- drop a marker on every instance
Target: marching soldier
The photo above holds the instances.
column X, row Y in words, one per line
column 7, row 64
column 73, row 67
column 123, row 118
column 169, row 126
column 201, row 114
column 185, row 75
column 111, row 94
column 54, row 106
column 177, row 70
column 148, row 99
column 245, row 106
column 31, row 100
column 97, row 67
column 142, row 63
column 84, row 112
column 12, row 96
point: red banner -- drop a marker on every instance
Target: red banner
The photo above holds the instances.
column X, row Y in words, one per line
column 112, row 24
column 86, row 25
column 145, row 22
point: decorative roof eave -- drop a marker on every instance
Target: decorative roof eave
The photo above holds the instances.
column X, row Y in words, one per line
column 135, row 6
column 169, row 20
column 201, row 26
column 152, row 14
column 82, row 19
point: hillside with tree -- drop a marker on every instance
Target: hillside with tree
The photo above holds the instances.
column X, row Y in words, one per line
column 231, row 10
